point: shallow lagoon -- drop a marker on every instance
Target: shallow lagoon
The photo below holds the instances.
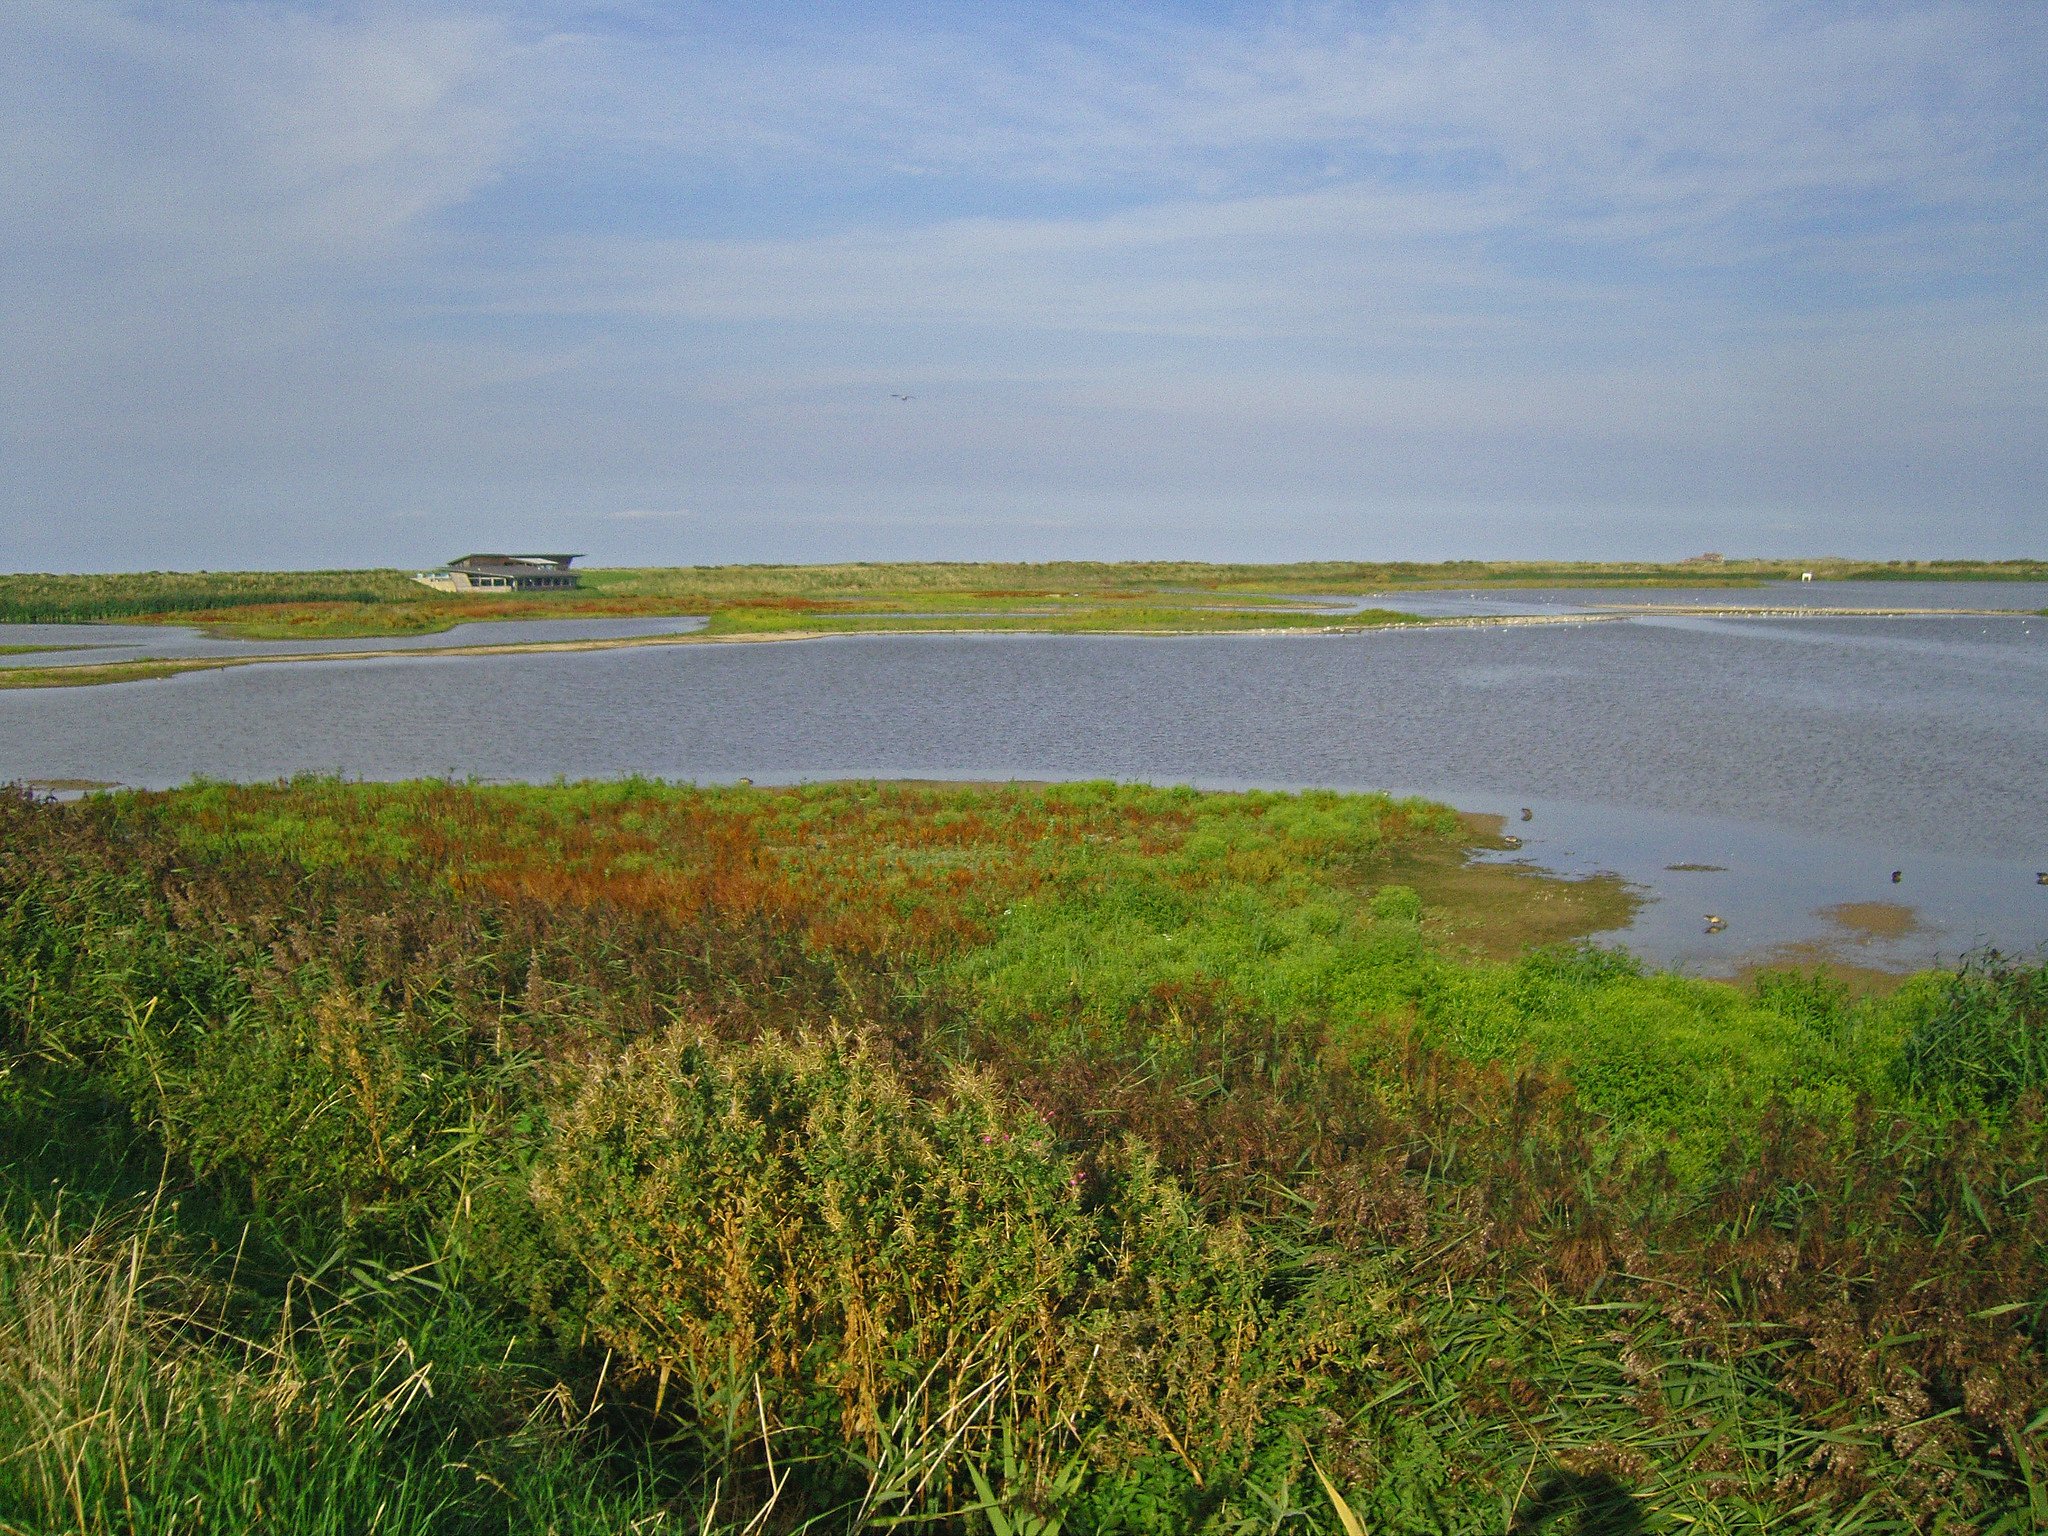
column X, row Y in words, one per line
column 90, row 644
column 1807, row 757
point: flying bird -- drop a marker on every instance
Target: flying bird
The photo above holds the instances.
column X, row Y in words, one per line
column 903, row 397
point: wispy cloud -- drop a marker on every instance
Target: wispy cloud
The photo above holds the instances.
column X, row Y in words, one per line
column 297, row 279
column 239, row 129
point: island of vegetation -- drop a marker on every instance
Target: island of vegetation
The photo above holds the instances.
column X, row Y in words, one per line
column 767, row 602
column 436, row 1157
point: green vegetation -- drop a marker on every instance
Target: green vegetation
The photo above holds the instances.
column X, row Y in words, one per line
column 754, row 599
column 983, row 585
column 134, row 1398
column 715, row 584
column 1983, row 1048
column 1943, row 570
column 67, row 599
column 1131, row 618
column 1085, row 1158
column 81, row 673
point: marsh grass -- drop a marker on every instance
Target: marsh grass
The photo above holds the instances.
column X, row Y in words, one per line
column 132, row 1399
column 118, row 1418
column 1984, row 1046
column 1081, row 578
column 1085, row 1158
column 102, row 672
column 1137, row 618
column 69, row 599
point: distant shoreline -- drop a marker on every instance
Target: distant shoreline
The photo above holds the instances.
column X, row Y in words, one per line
column 1154, row 594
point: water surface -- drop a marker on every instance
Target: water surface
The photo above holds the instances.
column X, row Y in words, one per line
column 166, row 642
column 1807, row 757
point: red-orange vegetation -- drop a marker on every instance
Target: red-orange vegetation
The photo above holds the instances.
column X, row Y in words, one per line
column 432, row 611
column 876, row 868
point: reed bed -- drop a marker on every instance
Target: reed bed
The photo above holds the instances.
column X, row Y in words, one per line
column 71, row 599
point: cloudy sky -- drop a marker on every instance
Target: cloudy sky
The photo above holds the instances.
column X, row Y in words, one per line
column 316, row 284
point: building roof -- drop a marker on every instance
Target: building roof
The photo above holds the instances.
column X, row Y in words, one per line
column 555, row 562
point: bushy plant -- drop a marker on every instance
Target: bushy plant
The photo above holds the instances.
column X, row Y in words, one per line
column 1397, row 904
column 787, row 1218
column 807, row 1260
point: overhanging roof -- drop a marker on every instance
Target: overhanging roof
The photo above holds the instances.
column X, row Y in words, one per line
column 560, row 562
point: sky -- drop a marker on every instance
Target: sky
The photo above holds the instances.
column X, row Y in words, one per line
column 309, row 285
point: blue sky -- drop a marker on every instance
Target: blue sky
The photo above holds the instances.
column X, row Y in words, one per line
column 288, row 285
